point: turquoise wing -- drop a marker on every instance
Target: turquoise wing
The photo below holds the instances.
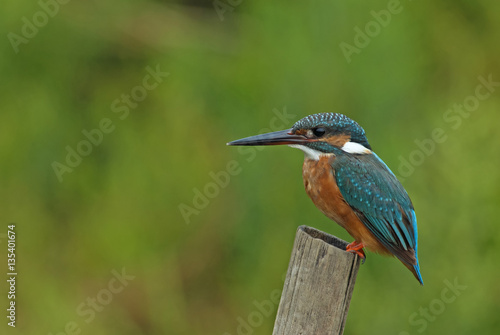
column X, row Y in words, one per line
column 381, row 203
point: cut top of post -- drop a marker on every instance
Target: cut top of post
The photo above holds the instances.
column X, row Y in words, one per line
column 330, row 239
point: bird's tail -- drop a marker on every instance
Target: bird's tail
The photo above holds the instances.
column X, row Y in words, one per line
column 415, row 269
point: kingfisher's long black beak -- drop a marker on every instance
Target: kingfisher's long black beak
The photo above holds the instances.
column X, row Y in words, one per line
column 274, row 138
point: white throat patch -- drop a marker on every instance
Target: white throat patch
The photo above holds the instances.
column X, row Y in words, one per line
column 309, row 153
column 355, row 148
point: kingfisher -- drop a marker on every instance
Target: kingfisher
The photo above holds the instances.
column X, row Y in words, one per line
column 351, row 185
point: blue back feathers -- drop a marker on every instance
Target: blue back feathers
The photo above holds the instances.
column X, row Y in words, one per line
column 381, row 203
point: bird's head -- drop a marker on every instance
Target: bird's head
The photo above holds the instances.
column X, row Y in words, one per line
column 317, row 134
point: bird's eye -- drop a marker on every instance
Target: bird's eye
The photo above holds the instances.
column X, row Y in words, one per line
column 318, row 132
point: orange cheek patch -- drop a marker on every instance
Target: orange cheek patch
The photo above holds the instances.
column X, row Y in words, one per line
column 301, row 132
column 338, row 140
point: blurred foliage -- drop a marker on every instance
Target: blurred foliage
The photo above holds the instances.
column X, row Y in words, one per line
column 120, row 207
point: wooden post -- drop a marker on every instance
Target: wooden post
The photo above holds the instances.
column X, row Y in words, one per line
column 318, row 285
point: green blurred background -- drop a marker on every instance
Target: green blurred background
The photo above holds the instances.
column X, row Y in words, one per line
column 231, row 71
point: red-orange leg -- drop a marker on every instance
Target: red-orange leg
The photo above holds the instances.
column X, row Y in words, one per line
column 357, row 248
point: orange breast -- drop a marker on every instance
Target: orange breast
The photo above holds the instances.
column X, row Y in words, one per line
column 320, row 185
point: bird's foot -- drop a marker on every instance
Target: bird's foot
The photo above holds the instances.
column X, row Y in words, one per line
column 357, row 248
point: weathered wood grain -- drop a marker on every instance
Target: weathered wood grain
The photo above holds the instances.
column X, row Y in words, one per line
column 318, row 286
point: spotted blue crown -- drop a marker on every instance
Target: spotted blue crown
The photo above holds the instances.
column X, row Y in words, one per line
column 336, row 124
